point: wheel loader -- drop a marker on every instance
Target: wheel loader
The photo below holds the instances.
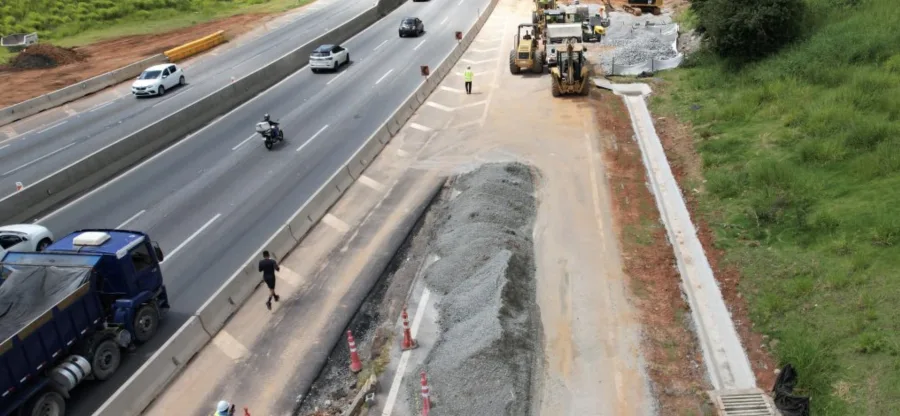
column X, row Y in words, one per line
column 526, row 54
column 636, row 7
column 571, row 75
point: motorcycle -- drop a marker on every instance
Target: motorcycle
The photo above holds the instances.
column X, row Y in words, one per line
column 270, row 134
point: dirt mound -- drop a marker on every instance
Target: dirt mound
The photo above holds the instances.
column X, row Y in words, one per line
column 45, row 55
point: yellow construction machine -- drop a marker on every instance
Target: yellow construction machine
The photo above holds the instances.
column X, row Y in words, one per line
column 636, row 7
column 538, row 16
column 572, row 72
column 526, row 54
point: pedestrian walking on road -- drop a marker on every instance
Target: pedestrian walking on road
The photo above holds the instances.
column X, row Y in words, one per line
column 468, row 77
column 268, row 267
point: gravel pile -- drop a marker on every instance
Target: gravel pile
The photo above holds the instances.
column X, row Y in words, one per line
column 632, row 48
column 483, row 361
column 642, row 47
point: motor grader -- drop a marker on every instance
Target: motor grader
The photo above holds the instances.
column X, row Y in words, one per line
column 572, row 72
column 636, row 7
column 538, row 16
column 526, row 54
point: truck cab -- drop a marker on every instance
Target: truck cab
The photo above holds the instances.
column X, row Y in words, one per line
column 70, row 309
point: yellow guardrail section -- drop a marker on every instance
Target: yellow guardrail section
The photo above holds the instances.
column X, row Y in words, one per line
column 195, row 47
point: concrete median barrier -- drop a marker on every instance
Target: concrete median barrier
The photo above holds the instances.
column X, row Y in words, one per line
column 156, row 373
column 365, row 155
column 117, row 157
column 221, row 305
column 75, row 91
column 383, row 135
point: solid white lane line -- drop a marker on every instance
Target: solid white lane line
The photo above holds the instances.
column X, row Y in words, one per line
column 245, row 141
column 4, row 146
column 404, row 358
column 312, row 138
column 384, row 76
column 193, row 236
column 40, row 158
column 133, row 217
column 420, row 44
column 443, row 21
column 380, row 45
column 335, row 78
column 54, row 125
column 99, row 106
column 461, row 2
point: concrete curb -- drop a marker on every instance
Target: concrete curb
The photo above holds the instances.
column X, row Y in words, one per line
column 104, row 164
column 727, row 364
column 75, row 91
column 150, row 380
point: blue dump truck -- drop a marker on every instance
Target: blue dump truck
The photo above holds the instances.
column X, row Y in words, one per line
column 67, row 312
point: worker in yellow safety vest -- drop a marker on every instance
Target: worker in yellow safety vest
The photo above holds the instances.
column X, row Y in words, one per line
column 223, row 408
column 468, row 77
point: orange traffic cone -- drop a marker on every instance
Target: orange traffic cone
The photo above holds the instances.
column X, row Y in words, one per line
column 355, row 364
column 408, row 342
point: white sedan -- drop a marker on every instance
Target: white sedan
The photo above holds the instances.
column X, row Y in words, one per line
column 157, row 79
column 24, row 237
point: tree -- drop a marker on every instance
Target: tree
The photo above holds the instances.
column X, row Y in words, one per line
column 751, row 29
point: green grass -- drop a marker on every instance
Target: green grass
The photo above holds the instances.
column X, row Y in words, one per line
column 72, row 23
column 801, row 153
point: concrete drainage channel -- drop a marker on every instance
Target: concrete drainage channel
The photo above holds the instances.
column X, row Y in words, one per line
column 727, row 365
column 165, row 364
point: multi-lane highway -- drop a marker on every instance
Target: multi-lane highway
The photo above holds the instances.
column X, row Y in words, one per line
column 61, row 140
column 214, row 198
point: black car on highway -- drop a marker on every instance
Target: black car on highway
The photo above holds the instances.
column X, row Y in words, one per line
column 411, row 26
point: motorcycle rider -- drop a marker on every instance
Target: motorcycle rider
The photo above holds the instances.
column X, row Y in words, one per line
column 273, row 124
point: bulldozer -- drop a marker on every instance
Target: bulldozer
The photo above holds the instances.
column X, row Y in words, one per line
column 636, row 7
column 526, row 55
column 572, row 73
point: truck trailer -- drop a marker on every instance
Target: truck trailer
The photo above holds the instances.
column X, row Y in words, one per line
column 67, row 312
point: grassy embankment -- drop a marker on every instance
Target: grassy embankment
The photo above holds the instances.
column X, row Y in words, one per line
column 73, row 23
column 801, row 156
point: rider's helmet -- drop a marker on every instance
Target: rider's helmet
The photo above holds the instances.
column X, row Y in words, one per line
column 223, row 405
column 266, row 117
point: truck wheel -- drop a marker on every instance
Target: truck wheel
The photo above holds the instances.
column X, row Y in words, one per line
column 555, row 88
column 42, row 245
column 106, row 359
column 146, row 322
column 48, row 403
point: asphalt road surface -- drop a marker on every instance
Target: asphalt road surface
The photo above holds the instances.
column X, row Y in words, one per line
column 214, row 198
column 61, row 140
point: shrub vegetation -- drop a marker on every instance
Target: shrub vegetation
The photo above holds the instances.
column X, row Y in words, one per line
column 801, row 157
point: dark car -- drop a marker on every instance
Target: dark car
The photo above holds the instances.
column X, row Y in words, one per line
column 411, row 26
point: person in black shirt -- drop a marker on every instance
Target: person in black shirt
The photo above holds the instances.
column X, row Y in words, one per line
column 267, row 267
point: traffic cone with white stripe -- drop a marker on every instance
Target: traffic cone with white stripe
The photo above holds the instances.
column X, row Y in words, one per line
column 355, row 364
column 19, row 186
column 426, row 401
column 246, row 412
column 408, row 341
